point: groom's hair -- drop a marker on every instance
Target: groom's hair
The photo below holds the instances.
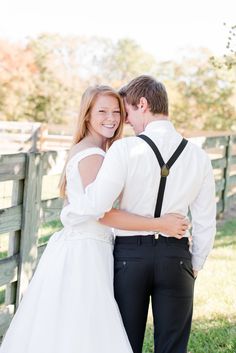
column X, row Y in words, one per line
column 149, row 88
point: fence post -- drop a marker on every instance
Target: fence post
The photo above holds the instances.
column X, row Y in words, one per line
column 30, row 222
column 14, row 240
column 36, row 131
column 226, row 174
column 43, row 136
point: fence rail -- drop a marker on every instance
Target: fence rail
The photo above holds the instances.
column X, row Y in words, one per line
column 31, row 203
column 20, row 136
column 30, row 137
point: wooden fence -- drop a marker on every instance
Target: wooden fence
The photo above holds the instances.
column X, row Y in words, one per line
column 27, row 177
column 20, row 136
column 30, row 137
column 35, row 137
column 32, row 200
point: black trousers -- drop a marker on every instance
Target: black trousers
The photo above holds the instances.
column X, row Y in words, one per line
column 159, row 269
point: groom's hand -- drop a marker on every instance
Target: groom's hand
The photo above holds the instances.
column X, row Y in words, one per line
column 174, row 225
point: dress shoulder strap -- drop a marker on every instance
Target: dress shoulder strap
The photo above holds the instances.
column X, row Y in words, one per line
column 74, row 160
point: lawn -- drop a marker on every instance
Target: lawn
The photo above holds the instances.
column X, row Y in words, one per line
column 214, row 320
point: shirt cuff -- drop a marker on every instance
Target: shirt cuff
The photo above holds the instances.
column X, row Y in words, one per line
column 197, row 262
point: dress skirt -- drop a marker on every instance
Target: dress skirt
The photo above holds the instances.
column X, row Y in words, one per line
column 69, row 306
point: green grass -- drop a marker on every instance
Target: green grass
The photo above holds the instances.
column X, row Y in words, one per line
column 47, row 229
column 2, row 295
column 214, row 319
column 3, row 254
column 4, row 239
column 208, row 336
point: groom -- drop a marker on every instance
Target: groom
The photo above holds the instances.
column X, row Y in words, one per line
column 153, row 173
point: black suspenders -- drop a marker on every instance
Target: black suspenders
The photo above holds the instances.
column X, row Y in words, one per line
column 165, row 168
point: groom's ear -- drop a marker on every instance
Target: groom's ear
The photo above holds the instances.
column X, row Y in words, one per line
column 143, row 104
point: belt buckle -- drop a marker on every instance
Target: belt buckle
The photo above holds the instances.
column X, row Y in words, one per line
column 156, row 235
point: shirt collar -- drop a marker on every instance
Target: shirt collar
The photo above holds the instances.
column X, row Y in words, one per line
column 160, row 125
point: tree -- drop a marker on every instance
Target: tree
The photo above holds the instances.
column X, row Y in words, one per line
column 44, row 79
column 204, row 97
column 126, row 60
column 17, row 68
column 53, row 93
column 229, row 58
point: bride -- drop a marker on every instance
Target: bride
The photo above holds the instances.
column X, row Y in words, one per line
column 69, row 306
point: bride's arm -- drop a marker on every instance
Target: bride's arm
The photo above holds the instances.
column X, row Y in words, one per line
column 171, row 224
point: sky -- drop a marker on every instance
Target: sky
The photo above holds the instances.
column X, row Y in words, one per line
column 167, row 29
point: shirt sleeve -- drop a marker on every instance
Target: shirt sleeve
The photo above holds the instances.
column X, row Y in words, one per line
column 203, row 212
column 100, row 195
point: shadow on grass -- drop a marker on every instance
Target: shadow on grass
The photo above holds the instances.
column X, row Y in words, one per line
column 209, row 336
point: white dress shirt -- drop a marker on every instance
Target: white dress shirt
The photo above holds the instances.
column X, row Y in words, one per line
column 130, row 170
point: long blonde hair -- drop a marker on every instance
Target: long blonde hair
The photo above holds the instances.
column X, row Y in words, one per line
column 81, row 130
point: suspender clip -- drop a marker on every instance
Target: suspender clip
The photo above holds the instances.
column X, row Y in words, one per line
column 165, row 170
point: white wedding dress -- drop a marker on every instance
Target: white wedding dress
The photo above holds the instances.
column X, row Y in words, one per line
column 69, row 306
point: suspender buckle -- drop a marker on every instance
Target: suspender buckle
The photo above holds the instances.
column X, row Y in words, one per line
column 165, row 170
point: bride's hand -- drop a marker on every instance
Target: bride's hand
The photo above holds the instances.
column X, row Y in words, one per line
column 174, row 225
